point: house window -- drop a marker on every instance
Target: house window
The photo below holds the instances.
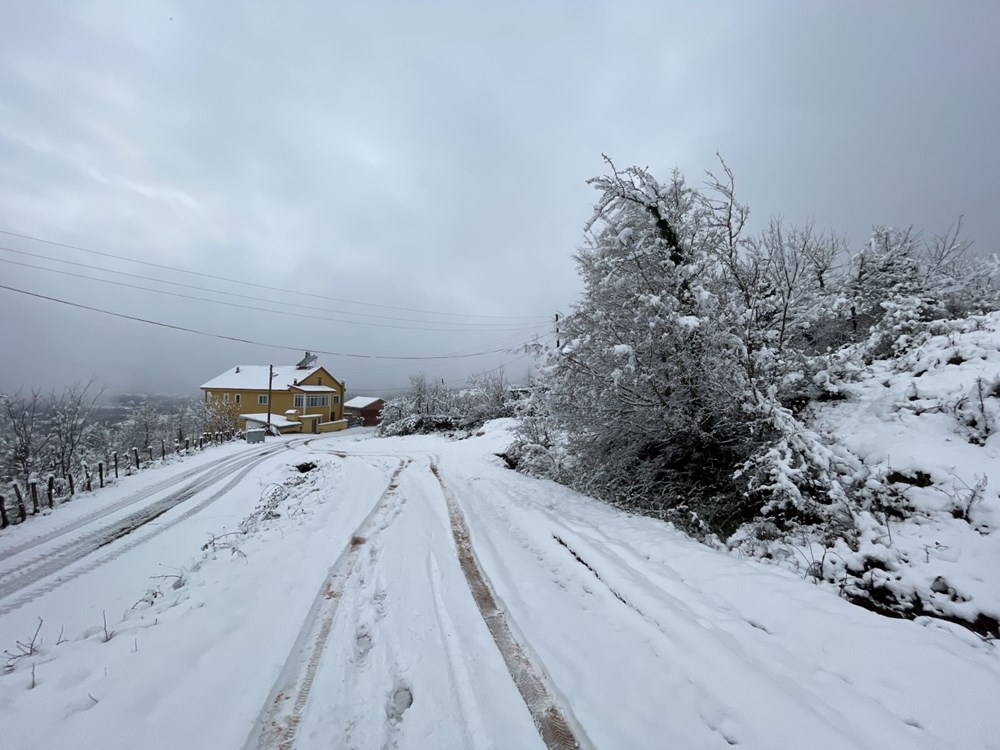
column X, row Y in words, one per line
column 318, row 401
column 262, row 399
column 225, row 398
column 336, row 399
column 238, row 396
column 297, row 400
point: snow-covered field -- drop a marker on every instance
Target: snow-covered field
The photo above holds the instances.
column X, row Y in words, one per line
column 255, row 605
column 931, row 420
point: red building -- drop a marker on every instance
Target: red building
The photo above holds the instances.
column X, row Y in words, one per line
column 367, row 408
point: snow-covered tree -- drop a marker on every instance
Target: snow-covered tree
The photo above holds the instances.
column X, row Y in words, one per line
column 647, row 389
column 23, row 435
column 214, row 416
column 70, row 419
column 675, row 388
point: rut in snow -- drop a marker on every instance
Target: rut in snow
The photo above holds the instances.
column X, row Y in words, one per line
column 550, row 719
column 279, row 720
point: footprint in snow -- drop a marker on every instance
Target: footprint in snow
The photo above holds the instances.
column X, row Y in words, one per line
column 400, row 700
column 362, row 644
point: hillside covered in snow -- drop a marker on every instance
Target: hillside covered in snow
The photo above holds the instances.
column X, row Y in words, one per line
column 928, row 425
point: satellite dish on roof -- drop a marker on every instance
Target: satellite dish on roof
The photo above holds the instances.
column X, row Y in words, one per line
column 306, row 361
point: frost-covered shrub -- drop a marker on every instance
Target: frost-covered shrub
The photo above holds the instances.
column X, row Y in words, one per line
column 418, row 424
column 671, row 394
column 979, row 409
column 688, row 372
column 434, row 407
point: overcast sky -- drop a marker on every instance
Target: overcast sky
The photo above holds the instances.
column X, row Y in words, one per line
column 433, row 157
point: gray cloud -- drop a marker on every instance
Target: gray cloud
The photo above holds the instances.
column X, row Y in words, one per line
column 434, row 157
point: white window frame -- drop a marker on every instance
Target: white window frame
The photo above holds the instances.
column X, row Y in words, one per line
column 317, row 401
column 261, row 399
column 238, row 398
column 298, row 400
column 225, row 398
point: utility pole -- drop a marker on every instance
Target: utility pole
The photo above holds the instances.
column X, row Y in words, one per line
column 557, row 331
column 270, row 380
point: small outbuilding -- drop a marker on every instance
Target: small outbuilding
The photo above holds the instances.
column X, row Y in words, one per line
column 366, row 408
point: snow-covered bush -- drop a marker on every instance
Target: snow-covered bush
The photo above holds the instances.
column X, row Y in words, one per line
column 434, row 407
column 671, row 394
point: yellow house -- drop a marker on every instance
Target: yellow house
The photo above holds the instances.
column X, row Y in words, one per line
column 300, row 398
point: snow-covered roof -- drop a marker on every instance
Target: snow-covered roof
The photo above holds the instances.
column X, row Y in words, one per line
column 254, row 378
column 360, row 402
column 276, row 419
column 314, row 388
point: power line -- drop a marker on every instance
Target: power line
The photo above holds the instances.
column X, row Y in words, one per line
column 262, row 309
column 260, row 286
column 382, row 370
column 483, row 325
column 236, row 338
column 499, row 367
column 355, row 375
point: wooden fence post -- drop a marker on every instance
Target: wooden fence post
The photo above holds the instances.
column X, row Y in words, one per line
column 21, row 510
column 87, row 475
column 116, row 464
column 4, row 521
column 100, row 472
column 163, row 449
column 33, row 484
column 149, row 449
column 135, row 455
column 187, row 444
column 51, row 488
column 72, row 485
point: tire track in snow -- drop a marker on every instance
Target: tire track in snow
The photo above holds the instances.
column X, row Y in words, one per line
column 468, row 707
column 554, row 723
column 398, row 690
column 105, row 510
column 686, row 628
column 279, row 720
column 366, row 673
column 60, row 559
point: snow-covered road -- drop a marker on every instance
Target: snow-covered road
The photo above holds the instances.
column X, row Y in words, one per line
column 58, row 548
column 413, row 593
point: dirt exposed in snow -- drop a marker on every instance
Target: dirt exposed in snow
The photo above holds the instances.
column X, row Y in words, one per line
column 550, row 719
